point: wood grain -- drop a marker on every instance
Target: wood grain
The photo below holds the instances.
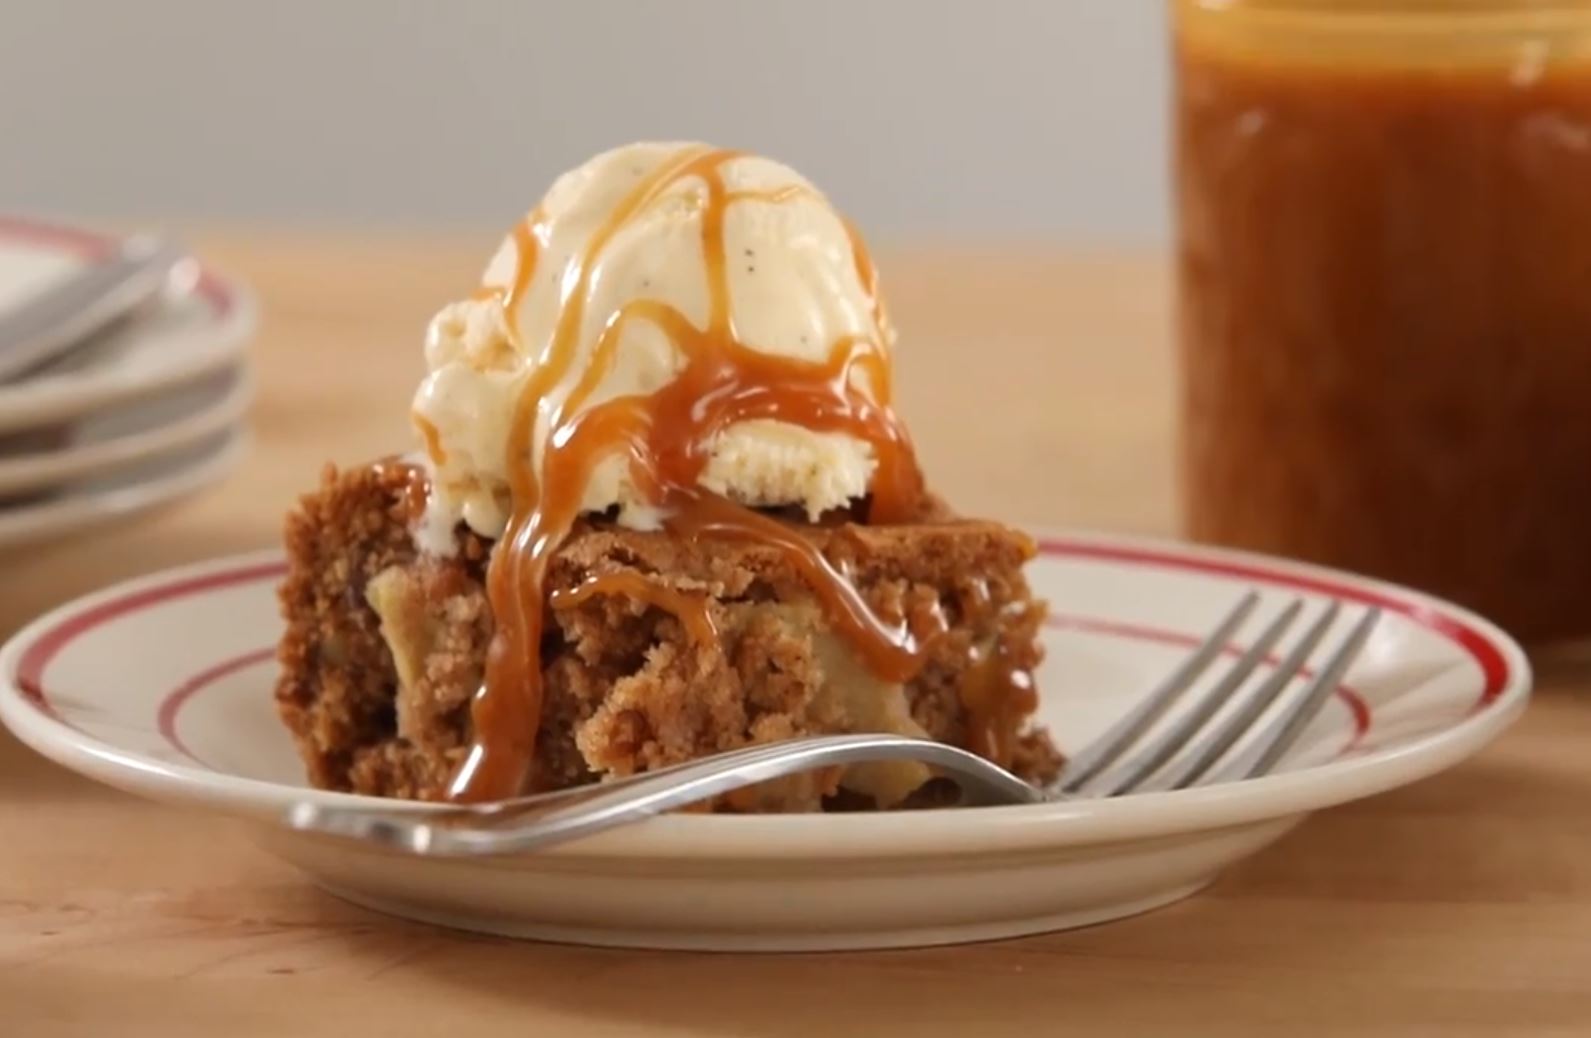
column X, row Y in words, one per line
column 1039, row 387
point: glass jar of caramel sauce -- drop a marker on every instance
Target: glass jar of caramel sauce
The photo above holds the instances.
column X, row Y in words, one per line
column 1384, row 266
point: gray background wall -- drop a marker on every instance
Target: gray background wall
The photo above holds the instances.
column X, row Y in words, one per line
column 943, row 118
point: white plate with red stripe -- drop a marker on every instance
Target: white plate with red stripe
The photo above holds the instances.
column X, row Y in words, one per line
column 199, row 326
column 163, row 687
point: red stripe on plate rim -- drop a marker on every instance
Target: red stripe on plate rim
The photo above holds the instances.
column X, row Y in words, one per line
column 177, row 698
column 1356, row 703
column 94, row 246
column 1480, row 647
column 38, row 654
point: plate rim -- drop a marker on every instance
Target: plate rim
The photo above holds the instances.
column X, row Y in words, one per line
column 42, row 470
column 79, row 511
column 28, row 405
column 997, row 830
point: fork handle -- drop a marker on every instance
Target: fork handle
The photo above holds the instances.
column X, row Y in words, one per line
column 536, row 822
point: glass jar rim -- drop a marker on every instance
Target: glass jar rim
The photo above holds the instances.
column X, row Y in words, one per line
column 1411, row 32
column 1405, row 15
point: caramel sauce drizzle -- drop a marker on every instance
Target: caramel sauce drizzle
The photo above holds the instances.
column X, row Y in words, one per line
column 416, row 493
column 433, row 440
column 997, row 693
column 691, row 610
column 666, row 437
column 996, row 690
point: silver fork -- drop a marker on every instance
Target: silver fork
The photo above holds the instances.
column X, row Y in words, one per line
column 65, row 316
column 1133, row 755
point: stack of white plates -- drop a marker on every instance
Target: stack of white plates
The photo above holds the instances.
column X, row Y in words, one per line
column 145, row 411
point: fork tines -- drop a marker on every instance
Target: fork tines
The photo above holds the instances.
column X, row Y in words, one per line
column 1158, row 746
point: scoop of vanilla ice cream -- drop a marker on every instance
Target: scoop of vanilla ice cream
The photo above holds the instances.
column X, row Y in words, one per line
column 794, row 290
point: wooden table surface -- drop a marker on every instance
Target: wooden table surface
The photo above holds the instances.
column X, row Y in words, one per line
column 1039, row 388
